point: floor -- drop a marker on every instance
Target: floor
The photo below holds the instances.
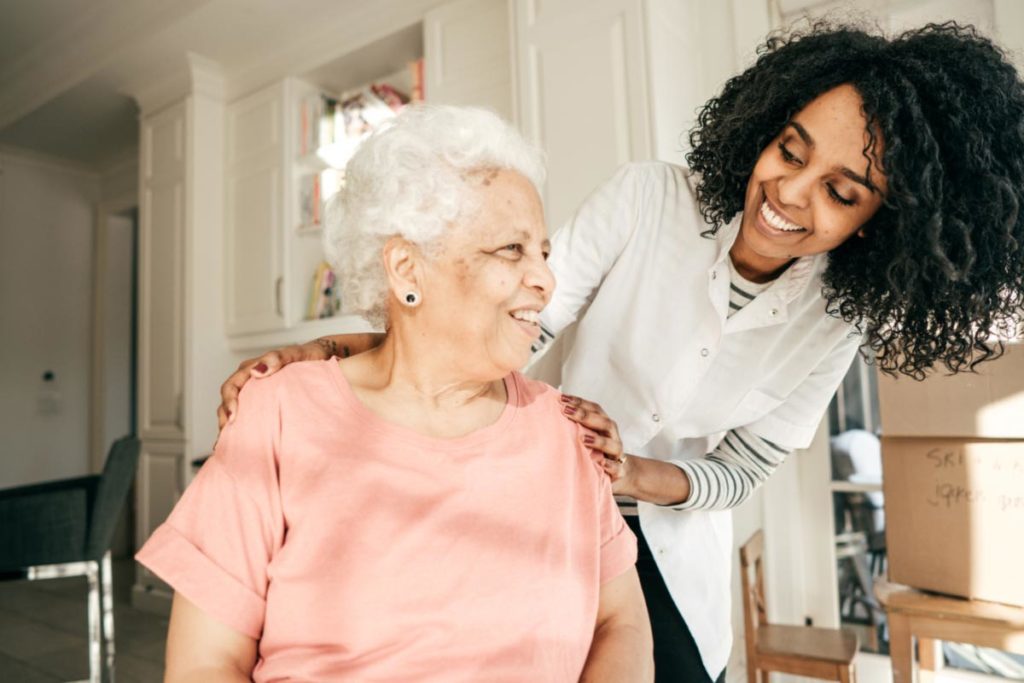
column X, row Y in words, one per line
column 43, row 636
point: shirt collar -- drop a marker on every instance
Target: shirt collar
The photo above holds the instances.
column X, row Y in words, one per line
column 791, row 283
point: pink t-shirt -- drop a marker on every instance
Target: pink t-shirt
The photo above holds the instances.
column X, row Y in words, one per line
column 355, row 549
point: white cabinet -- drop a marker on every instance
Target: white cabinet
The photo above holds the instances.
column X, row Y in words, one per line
column 253, row 249
column 161, row 327
column 467, row 55
column 582, row 92
column 161, row 285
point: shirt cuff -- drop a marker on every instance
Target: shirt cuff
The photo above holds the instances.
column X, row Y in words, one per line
column 174, row 558
column 692, row 473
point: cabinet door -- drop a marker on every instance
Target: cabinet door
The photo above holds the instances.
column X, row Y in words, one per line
column 582, row 92
column 161, row 275
column 253, row 214
column 467, row 55
column 159, row 484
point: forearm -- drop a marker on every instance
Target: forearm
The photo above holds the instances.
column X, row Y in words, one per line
column 619, row 652
column 345, row 345
column 721, row 480
column 654, row 481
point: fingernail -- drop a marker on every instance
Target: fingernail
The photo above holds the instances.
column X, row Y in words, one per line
column 566, row 398
column 260, row 368
column 569, row 410
column 588, row 439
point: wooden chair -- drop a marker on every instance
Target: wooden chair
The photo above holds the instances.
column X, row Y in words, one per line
column 824, row 653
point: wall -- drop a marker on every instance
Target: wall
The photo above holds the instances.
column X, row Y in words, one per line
column 46, row 224
column 117, row 328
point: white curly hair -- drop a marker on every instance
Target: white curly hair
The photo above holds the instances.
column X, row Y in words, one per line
column 410, row 180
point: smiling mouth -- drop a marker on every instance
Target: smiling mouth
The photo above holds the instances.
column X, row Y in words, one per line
column 528, row 320
column 776, row 221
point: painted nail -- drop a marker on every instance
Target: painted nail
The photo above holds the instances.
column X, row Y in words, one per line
column 588, row 439
column 566, row 398
column 569, row 410
column 260, row 368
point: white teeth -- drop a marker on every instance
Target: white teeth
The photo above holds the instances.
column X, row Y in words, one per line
column 777, row 221
column 527, row 315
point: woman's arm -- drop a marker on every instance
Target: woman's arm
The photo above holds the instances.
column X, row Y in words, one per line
column 322, row 348
column 622, row 649
column 721, row 480
column 202, row 650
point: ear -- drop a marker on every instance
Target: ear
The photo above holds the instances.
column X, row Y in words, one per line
column 403, row 265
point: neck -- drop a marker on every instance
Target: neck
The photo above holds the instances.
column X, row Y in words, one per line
column 753, row 266
column 408, row 366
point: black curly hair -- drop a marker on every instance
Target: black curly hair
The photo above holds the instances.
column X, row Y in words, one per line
column 942, row 263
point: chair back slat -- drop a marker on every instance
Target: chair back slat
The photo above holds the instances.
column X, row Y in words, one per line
column 111, row 492
column 755, row 611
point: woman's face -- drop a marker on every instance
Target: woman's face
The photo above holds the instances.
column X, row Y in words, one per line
column 482, row 294
column 811, row 189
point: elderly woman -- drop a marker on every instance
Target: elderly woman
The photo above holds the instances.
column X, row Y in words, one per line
column 419, row 512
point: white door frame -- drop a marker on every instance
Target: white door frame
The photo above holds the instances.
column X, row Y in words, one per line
column 97, row 382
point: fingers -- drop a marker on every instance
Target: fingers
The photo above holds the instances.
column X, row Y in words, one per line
column 615, row 469
column 611, row 448
column 222, row 416
column 266, row 365
column 590, row 415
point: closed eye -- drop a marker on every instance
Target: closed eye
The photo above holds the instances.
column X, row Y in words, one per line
column 788, row 156
column 838, row 198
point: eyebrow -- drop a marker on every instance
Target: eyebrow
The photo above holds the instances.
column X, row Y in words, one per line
column 852, row 175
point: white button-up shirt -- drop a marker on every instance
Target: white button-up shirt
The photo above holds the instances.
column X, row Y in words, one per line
column 656, row 349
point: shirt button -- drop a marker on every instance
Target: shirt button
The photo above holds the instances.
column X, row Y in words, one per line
column 656, row 417
column 714, row 275
column 775, row 312
column 704, row 352
column 661, row 551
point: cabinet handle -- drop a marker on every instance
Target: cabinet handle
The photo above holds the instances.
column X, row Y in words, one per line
column 277, row 295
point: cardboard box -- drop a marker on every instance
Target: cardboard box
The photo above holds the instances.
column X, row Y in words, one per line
column 987, row 405
column 955, row 516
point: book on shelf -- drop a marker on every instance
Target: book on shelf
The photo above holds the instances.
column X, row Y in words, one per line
column 323, row 300
column 345, row 122
column 417, row 94
column 310, row 201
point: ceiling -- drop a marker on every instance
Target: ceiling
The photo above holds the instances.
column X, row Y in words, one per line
column 72, row 71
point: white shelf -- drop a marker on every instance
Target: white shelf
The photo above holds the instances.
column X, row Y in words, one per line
column 305, row 331
column 855, row 487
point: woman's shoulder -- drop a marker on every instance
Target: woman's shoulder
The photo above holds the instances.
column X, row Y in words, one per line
column 658, row 174
column 294, row 383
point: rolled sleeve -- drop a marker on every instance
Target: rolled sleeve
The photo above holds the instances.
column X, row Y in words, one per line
column 217, row 544
column 216, row 590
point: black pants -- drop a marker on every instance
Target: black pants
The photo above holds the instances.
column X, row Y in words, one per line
column 676, row 658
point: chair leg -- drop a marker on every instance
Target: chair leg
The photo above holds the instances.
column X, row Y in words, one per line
column 929, row 654
column 107, row 593
column 95, row 666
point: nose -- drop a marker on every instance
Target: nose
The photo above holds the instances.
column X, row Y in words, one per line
column 794, row 189
column 538, row 276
